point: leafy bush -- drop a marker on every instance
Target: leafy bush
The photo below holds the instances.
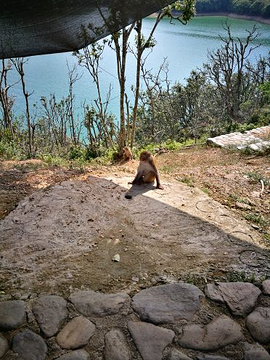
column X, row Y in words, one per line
column 10, row 151
column 76, row 152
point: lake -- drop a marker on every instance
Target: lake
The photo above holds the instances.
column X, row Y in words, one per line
column 185, row 47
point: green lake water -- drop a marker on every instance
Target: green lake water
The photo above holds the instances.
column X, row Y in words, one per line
column 184, row 46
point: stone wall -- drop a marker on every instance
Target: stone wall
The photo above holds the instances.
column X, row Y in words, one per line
column 176, row 321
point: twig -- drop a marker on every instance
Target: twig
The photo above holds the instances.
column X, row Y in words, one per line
column 262, row 189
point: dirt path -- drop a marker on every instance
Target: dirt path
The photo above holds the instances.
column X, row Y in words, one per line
column 66, row 236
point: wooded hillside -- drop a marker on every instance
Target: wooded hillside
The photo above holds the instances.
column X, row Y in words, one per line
column 242, row 7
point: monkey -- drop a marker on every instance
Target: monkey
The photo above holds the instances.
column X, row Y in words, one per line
column 147, row 171
column 127, row 154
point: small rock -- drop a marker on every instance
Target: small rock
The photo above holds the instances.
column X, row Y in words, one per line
column 266, row 287
column 76, row 333
column 259, row 325
column 254, row 147
column 116, row 347
column 243, row 206
column 75, row 355
column 255, row 351
column 3, row 346
column 116, row 258
column 240, row 297
column 29, row 346
column 218, row 333
column 150, row 339
column 91, row 303
column 168, row 303
column 50, row 312
column 260, row 147
column 177, row 355
column 12, row 314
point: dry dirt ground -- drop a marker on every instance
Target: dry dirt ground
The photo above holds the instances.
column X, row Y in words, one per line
column 67, row 229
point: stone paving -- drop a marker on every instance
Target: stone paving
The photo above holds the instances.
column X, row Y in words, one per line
column 176, row 321
column 252, row 140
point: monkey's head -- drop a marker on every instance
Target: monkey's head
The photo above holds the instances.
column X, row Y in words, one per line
column 145, row 156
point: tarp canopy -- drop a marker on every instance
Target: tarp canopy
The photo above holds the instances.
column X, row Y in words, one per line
column 33, row 27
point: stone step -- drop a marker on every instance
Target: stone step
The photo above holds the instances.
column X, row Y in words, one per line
column 256, row 140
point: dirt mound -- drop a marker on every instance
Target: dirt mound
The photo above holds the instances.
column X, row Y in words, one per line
column 85, row 234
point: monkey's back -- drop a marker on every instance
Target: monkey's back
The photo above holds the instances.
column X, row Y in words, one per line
column 149, row 174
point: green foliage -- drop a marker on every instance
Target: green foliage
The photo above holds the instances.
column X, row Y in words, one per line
column 187, row 180
column 243, row 127
column 241, row 7
column 171, row 145
column 257, row 219
column 185, row 7
column 241, row 98
column 261, row 116
column 5, row 135
column 267, row 237
column 98, row 152
column 266, row 10
column 54, row 160
column 101, row 130
column 205, row 190
column 76, row 152
column 256, row 7
column 236, row 276
column 87, row 153
column 11, row 146
column 78, row 157
column 265, row 88
column 10, row 151
column 211, row 102
column 209, row 6
column 256, row 177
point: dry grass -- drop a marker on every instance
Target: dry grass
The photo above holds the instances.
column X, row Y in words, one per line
column 226, row 177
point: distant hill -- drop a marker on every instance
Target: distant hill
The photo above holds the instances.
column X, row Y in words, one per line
column 257, row 8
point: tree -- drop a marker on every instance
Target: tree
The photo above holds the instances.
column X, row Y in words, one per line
column 181, row 11
column 227, row 70
column 157, row 121
column 74, row 128
column 19, row 66
column 195, row 106
column 96, row 118
column 120, row 41
column 241, row 7
column 227, row 92
column 90, row 57
column 6, row 101
column 256, row 8
column 266, row 11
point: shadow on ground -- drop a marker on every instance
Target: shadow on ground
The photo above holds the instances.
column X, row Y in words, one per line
column 66, row 237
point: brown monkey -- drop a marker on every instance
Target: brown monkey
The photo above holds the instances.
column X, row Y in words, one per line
column 147, row 171
column 127, row 154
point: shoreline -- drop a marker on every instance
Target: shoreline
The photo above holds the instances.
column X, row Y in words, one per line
column 237, row 16
column 229, row 15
